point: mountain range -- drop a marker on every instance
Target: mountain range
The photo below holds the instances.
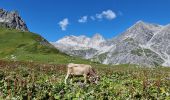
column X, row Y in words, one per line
column 143, row 44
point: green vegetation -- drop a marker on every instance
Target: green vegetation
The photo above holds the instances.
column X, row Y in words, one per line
column 148, row 53
column 32, row 69
column 100, row 58
column 128, row 39
column 23, row 80
column 16, row 45
column 138, row 52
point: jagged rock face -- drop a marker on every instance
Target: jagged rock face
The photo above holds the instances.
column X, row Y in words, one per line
column 142, row 44
column 87, row 53
column 141, row 32
column 82, row 41
column 130, row 52
column 82, row 46
column 12, row 20
column 129, row 46
column 160, row 44
column 96, row 41
column 77, row 41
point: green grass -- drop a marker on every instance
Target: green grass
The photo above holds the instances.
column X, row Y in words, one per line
column 24, row 80
column 27, row 46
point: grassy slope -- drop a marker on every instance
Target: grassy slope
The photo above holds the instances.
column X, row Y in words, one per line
column 27, row 46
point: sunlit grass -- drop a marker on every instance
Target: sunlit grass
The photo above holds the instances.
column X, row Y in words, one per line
column 21, row 80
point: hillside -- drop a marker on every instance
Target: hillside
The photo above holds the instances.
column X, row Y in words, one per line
column 26, row 46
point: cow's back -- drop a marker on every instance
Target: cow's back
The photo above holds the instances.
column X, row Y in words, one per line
column 78, row 69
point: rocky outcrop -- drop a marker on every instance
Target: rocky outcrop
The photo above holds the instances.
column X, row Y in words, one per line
column 12, row 20
column 160, row 43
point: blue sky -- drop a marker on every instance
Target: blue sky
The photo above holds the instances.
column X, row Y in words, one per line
column 43, row 16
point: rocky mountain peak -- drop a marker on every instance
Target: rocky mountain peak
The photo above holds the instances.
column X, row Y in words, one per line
column 81, row 41
column 97, row 37
column 144, row 44
column 141, row 32
column 12, row 20
column 138, row 25
column 140, row 22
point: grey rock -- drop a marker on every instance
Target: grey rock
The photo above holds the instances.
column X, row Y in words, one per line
column 12, row 20
column 160, row 43
column 81, row 46
column 142, row 44
column 130, row 52
column 141, row 32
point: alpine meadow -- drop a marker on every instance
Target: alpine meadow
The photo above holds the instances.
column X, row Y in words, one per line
column 84, row 50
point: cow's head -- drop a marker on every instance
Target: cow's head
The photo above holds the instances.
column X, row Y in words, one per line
column 94, row 79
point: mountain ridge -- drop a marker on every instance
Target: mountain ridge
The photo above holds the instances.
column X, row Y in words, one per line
column 132, row 46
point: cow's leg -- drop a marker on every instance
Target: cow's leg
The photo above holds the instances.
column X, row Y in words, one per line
column 85, row 78
column 66, row 78
column 71, row 80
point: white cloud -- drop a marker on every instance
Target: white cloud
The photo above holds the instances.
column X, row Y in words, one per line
column 83, row 19
column 109, row 14
column 99, row 16
column 63, row 24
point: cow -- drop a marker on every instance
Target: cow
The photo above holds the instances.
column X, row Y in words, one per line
column 81, row 70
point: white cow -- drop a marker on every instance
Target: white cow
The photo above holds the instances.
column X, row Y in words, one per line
column 81, row 70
